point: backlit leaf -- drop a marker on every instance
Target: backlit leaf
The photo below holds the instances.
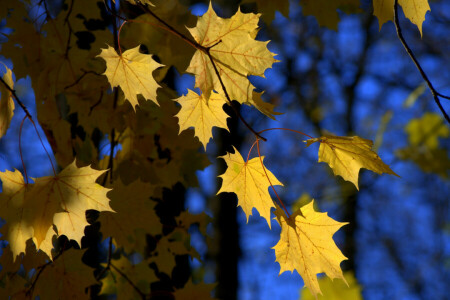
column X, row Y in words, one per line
column 201, row 114
column 250, row 183
column 235, row 52
column 132, row 71
column 415, row 11
column 346, row 155
column 306, row 245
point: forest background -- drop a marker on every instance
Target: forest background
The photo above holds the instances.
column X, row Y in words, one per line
column 354, row 79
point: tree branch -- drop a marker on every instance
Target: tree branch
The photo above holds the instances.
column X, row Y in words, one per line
column 418, row 66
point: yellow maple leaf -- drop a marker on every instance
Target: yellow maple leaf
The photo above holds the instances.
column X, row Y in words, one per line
column 415, row 11
column 235, row 52
column 201, row 114
column 134, row 215
column 65, row 278
column 306, row 245
column 346, row 155
column 250, row 183
column 6, row 103
column 30, row 210
column 132, row 72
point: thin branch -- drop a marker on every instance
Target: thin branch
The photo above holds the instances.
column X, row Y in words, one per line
column 129, row 281
column 229, row 99
column 41, row 269
column 418, row 66
column 171, row 29
column 13, row 92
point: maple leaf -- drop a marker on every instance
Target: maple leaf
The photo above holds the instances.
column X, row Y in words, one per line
column 306, row 245
column 75, row 191
column 415, row 11
column 131, row 70
column 201, row 114
column 236, row 54
column 134, row 215
column 30, row 210
column 346, row 155
column 6, row 103
column 65, row 278
column 250, row 183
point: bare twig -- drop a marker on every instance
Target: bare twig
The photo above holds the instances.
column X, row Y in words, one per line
column 418, row 66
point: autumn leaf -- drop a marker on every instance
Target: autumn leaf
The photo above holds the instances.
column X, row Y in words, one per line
column 201, row 114
column 236, row 54
column 75, row 191
column 346, row 155
column 30, row 210
column 306, row 245
column 250, row 183
column 6, row 103
column 65, row 278
column 132, row 71
column 415, row 11
column 134, row 215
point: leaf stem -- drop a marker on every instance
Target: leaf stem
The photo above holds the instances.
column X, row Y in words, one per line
column 249, row 151
column 267, row 176
column 287, row 129
column 418, row 66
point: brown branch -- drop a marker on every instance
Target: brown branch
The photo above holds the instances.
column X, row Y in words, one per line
column 257, row 135
column 417, row 64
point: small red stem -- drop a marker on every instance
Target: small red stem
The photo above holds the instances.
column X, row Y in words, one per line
column 287, row 129
column 264, row 168
column 118, row 38
column 20, row 149
column 250, row 151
